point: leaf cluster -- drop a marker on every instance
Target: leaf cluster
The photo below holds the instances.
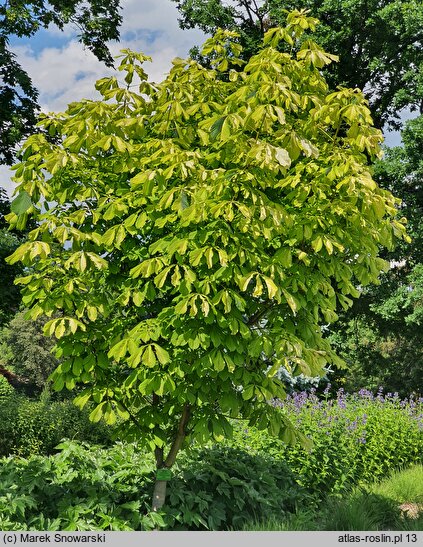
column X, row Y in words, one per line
column 97, row 23
column 86, row 487
column 80, row 488
column 378, row 43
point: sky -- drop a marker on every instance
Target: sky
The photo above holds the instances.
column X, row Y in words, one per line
column 64, row 72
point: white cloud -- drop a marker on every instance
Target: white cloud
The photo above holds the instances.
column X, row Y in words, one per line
column 5, row 182
column 150, row 14
column 68, row 73
column 62, row 75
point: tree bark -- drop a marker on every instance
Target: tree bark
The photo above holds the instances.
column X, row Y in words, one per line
column 179, row 439
column 159, row 495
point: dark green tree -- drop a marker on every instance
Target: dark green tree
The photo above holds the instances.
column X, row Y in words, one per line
column 9, row 241
column 10, row 297
column 379, row 42
column 97, row 23
column 26, row 351
column 381, row 335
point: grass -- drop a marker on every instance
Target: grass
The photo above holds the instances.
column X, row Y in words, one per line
column 403, row 486
column 373, row 507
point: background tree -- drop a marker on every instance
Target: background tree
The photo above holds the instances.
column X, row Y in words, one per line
column 27, row 352
column 199, row 234
column 10, row 297
column 381, row 334
column 379, row 43
column 97, row 23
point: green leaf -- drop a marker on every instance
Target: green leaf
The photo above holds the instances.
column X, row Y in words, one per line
column 218, row 361
column 248, row 393
column 118, row 351
column 162, row 355
column 21, row 203
column 97, row 413
column 292, row 303
column 244, row 281
column 272, row 288
column 216, row 128
column 317, row 244
column 181, row 307
column 149, row 358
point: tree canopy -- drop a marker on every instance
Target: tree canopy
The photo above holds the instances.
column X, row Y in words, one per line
column 27, row 352
column 196, row 235
column 379, row 43
column 97, row 23
column 381, row 334
column 10, row 297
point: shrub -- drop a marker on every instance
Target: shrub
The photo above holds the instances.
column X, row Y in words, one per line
column 80, row 488
column 36, row 427
column 222, row 487
column 252, row 478
column 6, row 390
column 91, row 488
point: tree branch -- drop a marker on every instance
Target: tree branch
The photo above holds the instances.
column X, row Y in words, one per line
column 180, row 436
column 245, row 4
column 259, row 313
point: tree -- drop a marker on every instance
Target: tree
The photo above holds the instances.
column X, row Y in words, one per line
column 10, row 298
column 97, row 22
column 381, row 334
column 379, row 43
column 27, row 352
column 199, row 233
column 9, row 241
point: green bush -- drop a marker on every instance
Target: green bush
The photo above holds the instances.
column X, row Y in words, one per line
column 36, row 427
column 6, row 390
column 220, row 488
column 80, row 488
column 83, row 488
column 252, row 478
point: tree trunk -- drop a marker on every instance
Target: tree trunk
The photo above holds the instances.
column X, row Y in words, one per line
column 163, row 466
column 159, row 495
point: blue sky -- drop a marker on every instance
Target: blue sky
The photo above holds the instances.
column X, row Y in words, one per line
column 64, row 72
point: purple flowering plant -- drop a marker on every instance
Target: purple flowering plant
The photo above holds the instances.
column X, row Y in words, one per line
column 356, row 437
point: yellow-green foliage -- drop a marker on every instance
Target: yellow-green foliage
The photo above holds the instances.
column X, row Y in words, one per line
column 200, row 232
